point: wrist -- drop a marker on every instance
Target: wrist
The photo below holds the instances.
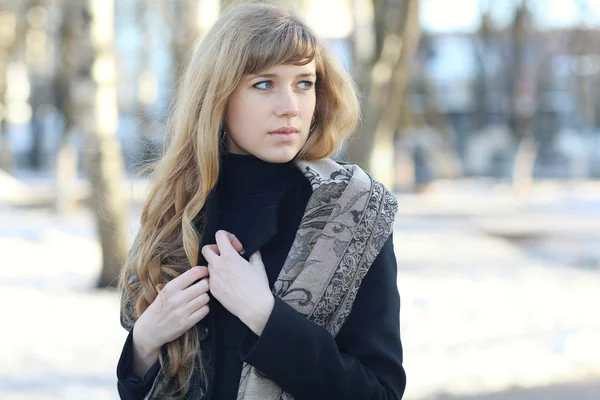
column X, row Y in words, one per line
column 144, row 346
column 258, row 320
column 144, row 353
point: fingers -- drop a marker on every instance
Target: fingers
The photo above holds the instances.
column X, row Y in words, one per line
column 214, row 248
column 235, row 242
column 199, row 314
column 197, row 302
column 188, row 277
column 195, row 290
column 211, row 253
column 227, row 242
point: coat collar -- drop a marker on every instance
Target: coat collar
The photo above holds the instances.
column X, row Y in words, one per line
column 266, row 227
column 318, row 173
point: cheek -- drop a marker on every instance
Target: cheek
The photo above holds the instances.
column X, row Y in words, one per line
column 245, row 118
column 247, row 108
column 235, row 112
column 310, row 105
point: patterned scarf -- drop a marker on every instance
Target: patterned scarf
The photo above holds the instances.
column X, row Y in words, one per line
column 347, row 220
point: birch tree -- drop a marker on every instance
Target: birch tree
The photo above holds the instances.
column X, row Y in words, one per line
column 522, row 98
column 103, row 151
column 11, row 24
column 71, row 28
column 382, row 64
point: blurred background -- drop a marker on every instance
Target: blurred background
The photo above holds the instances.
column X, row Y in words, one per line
column 483, row 116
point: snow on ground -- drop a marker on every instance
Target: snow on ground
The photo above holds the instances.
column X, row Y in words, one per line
column 501, row 320
column 479, row 313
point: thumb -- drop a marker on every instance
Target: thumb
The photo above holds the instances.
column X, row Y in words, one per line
column 256, row 259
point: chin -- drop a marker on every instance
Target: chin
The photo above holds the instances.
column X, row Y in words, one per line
column 278, row 156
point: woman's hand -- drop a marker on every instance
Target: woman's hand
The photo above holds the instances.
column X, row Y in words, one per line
column 178, row 307
column 241, row 286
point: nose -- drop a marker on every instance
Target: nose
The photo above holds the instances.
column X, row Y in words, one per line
column 287, row 105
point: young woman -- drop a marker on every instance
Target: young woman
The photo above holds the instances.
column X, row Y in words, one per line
column 263, row 270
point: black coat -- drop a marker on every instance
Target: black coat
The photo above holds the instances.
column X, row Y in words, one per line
column 364, row 361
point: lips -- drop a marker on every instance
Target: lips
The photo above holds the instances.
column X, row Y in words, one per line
column 285, row 130
column 284, row 134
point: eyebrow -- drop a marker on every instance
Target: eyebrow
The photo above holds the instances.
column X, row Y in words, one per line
column 305, row 75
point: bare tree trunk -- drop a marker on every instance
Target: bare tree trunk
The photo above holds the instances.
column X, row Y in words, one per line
column 376, row 53
column 193, row 19
column 146, row 86
column 481, row 43
column 36, row 57
column 6, row 158
column 587, row 84
column 524, row 162
column 185, row 18
column 9, row 16
column 363, row 42
column 448, row 165
column 103, row 150
column 383, row 157
column 66, row 81
column 521, row 118
column 389, row 81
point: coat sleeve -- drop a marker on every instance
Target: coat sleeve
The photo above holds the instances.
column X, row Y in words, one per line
column 129, row 385
column 364, row 361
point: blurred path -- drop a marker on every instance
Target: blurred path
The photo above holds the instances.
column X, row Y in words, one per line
column 587, row 390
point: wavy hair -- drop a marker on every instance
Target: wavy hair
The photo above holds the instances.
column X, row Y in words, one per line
column 248, row 38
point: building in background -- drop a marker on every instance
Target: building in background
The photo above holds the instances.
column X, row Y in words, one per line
column 561, row 88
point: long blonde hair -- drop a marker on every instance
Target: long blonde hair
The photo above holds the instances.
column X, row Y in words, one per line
column 248, row 38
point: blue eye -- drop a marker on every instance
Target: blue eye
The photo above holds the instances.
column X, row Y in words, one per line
column 264, row 85
column 306, row 85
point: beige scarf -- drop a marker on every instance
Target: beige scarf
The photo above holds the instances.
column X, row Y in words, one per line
column 347, row 220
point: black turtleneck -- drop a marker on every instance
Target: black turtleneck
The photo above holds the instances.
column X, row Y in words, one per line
column 248, row 190
column 248, row 186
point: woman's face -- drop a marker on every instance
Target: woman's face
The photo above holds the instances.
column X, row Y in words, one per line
column 269, row 114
